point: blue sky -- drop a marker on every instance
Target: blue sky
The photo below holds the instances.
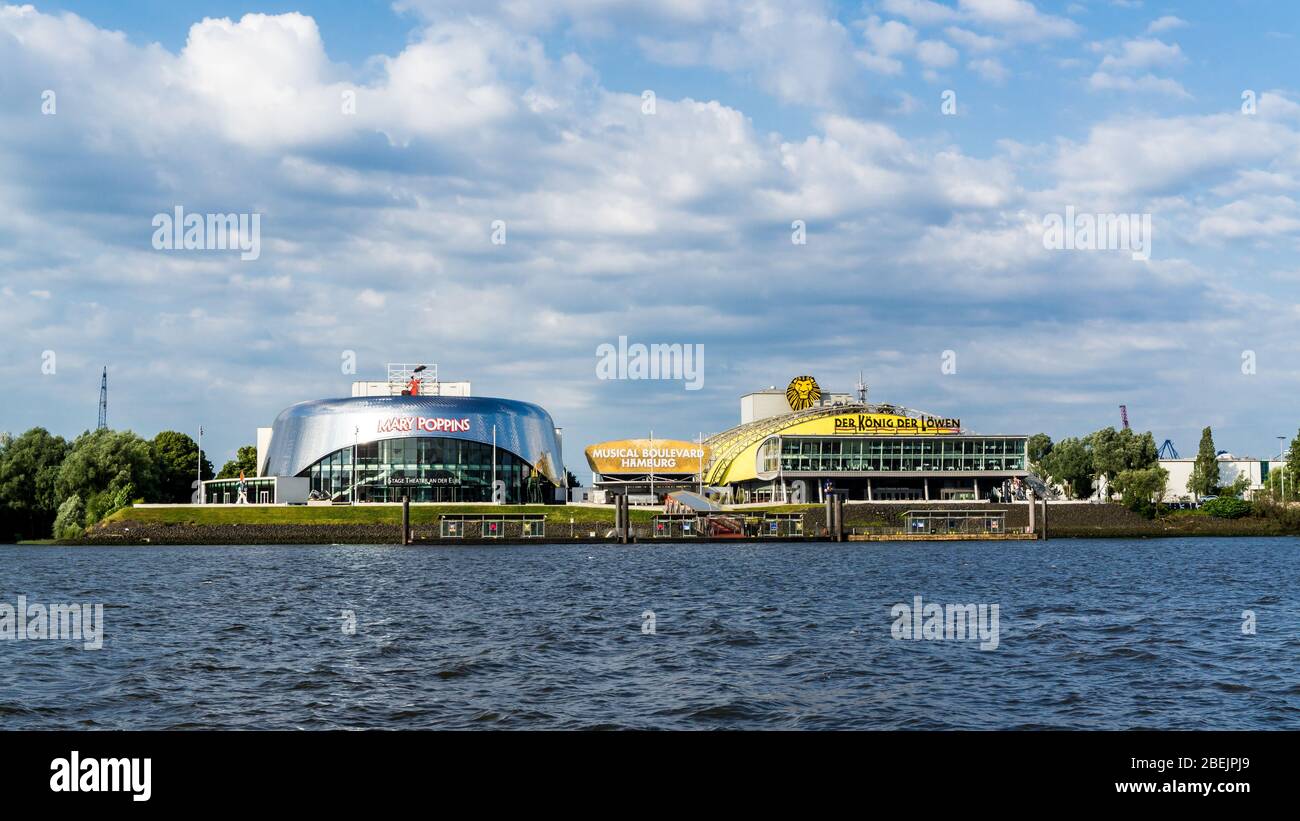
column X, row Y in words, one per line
column 924, row 229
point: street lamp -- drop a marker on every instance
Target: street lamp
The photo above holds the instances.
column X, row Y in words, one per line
column 200, row 465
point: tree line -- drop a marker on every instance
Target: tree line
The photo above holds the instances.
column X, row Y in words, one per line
column 52, row 486
column 1129, row 463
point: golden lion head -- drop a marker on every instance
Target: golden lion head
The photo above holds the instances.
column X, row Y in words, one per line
column 803, row 392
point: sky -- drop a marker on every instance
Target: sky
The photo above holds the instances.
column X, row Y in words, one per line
column 649, row 161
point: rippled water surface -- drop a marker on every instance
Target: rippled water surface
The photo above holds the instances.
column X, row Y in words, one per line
column 1093, row 634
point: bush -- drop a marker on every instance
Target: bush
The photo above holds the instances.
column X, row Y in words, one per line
column 1287, row 515
column 1225, row 507
column 68, row 524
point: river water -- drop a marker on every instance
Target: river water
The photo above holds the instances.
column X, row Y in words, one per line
column 1100, row 634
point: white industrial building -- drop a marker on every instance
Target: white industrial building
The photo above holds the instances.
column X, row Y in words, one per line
column 1230, row 467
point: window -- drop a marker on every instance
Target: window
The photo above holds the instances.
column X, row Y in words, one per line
column 428, row 469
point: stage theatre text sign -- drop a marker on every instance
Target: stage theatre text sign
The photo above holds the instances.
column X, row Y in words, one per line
column 638, row 456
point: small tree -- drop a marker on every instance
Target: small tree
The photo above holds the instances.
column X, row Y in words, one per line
column 70, row 521
column 245, row 460
column 178, row 465
column 1204, row 480
column 1038, row 446
column 1142, row 489
column 1292, row 469
column 1239, row 485
column 1115, row 451
column 108, row 469
column 1070, row 465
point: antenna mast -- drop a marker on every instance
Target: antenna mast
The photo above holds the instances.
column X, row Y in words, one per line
column 103, row 400
column 862, row 389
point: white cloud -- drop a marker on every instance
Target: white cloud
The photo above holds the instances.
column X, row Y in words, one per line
column 971, row 41
column 889, row 37
column 990, row 69
column 1142, row 54
column 1006, row 19
column 1166, row 23
column 1255, row 218
column 1103, row 81
column 1017, row 19
column 936, row 53
column 921, row 12
column 1128, row 67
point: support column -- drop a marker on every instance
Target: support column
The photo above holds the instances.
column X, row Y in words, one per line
column 926, row 482
column 869, row 489
column 977, row 488
column 406, row 520
column 1044, row 518
column 1032, row 506
column 830, row 515
column 839, row 517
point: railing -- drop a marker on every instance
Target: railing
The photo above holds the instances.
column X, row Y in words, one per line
column 933, row 528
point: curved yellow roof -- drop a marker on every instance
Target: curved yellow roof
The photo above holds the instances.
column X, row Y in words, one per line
column 735, row 451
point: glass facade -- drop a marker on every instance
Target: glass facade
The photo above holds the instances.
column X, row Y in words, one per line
column 920, row 454
column 428, row 469
column 226, row 491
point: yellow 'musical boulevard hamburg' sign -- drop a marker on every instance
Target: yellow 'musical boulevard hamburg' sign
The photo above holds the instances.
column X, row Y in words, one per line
column 647, row 456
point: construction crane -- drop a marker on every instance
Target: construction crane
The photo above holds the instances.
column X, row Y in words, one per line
column 1123, row 415
column 103, row 400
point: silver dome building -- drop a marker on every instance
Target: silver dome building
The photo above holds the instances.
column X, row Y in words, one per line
column 430, row 448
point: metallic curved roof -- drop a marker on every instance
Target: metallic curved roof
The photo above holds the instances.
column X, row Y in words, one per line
column 307, row 431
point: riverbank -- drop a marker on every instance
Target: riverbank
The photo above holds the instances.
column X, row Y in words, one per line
column 380, row 524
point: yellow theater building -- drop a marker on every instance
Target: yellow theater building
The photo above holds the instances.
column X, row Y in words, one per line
column 793, row 445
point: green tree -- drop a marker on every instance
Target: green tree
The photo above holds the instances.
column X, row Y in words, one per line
column 29, row 465
column 1204, row 480
column 1284, row 476
column 1039, row 446
column 1115, row 451
column 1070, row 466
column 70, row 521
column 1239, row 485
column 1291, row 472
column 177, row 457
column 245, row 460
column 1141, row 489
column 108, row 469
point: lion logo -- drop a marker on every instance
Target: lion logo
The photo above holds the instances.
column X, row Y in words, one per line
column 803, row 392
